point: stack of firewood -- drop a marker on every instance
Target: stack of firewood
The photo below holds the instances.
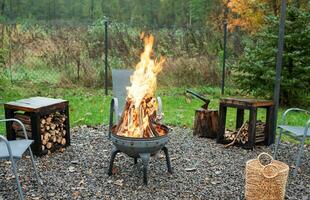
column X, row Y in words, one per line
column 240, row 136
column 52, row 129
column 25, row 119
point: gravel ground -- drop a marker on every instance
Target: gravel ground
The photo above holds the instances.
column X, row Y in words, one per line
column 80, row 171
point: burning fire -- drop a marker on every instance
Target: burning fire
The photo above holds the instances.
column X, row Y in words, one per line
column 139, row 117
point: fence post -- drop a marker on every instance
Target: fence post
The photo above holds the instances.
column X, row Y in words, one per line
column 10, row 55
column 225, row 48
column 278, row 67
column 106, row 56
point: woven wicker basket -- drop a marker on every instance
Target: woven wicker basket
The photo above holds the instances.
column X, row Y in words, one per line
column 265, row 181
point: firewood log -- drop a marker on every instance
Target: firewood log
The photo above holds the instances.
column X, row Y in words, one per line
column 53, row 126
column 63, row 141
column 48, row 120
column 21, row 134
column 44, row 142
column 16, row 126
column 49, row 145
column 63, row 133
column 59, row 139
column 23, row 118
column 54, row 139
column 46, row 136
column 43, row 121
column 52, row 132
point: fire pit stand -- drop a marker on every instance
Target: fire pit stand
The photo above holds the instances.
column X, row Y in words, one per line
column 136, row 147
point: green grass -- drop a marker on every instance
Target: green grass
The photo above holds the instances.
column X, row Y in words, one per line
column 91, row 106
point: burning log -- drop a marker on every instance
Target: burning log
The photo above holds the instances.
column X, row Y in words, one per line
column 240, row 136
column 139, row 117
column 140, row 122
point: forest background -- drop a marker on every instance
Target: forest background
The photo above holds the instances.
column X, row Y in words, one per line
column 56, row 48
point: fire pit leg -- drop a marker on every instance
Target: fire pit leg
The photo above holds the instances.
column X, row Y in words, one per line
column 113, row 154
column 145, row 159
column 165, row 149
column 135, row 160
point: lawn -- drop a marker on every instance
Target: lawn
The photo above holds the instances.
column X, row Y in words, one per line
column 91, row 106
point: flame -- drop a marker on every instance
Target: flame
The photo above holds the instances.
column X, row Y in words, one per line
column 141, row 105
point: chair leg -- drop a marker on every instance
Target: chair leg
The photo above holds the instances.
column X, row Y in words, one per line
column 277, row 144
column 19, row 188
column 301, row 150
column 34, row 167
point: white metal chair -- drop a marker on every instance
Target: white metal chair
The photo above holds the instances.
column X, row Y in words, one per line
column 299, row 133
column 13, row 151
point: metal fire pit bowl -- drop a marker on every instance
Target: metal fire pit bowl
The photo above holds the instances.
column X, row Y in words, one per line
column 134, row 147
column 142, row 148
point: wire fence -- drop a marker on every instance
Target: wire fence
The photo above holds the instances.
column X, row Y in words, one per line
column 65, row 53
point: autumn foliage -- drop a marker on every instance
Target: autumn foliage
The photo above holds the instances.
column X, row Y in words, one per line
column 247, row 14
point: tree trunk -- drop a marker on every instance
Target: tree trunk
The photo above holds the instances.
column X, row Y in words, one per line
column 275, row 7
column 92, row 10
column 78, row 64
column 206, row 123
column 2, row 6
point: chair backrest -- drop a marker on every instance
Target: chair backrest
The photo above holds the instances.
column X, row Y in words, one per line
column 120, row 80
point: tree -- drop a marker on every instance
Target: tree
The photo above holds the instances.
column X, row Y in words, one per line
column 256, row 71
column 197, row 11
column 248, row 15
column 2, row 7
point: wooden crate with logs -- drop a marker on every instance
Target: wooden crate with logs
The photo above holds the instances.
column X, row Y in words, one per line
column 46, row 121
column 52, row 130
column 206, row 120
column 253, row 136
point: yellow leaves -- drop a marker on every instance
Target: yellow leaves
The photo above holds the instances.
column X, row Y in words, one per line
column 247, row 14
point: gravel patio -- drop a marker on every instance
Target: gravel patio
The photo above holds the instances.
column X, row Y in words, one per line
column 80, row 171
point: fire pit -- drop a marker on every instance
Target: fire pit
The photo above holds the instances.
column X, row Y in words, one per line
column 133, row 147
column 139, row 148
column 139, row 133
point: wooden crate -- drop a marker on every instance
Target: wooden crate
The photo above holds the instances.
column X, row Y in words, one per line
column 34, row 113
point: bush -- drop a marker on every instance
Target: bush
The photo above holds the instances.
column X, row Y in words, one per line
column 74, row 55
